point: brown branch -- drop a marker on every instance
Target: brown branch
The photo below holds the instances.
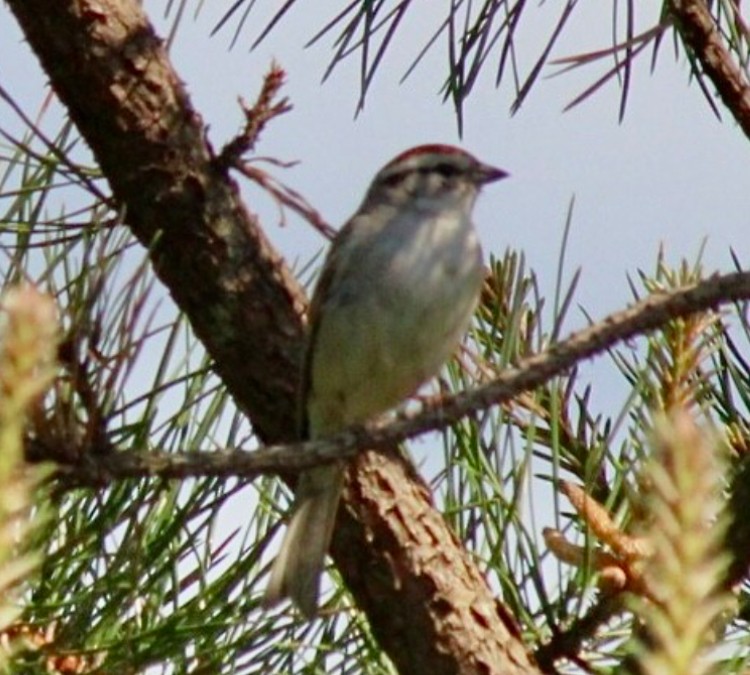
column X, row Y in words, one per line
column 427, row 603
column 568, row 643
column 257, row 117
column 111, row 71
column 698, row 29
column 286, row 197
column 646, row 315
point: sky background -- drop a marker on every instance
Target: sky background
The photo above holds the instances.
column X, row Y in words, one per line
column 669, row 175
column 666, row 175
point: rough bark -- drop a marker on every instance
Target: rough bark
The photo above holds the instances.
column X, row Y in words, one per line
column 426, row 601
column 702, row 36
column 111, row 71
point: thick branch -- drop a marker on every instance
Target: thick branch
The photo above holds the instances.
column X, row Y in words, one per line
column 111, row 71
column 700, row 33
column 427, row 603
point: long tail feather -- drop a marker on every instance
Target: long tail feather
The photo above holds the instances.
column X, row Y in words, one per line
column 297, row 569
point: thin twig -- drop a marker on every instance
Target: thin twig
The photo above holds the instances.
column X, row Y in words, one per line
column 567, row 644
column 288, row 197
column 644, row 316
column 256, row 117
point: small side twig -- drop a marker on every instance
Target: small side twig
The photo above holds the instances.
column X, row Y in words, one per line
column 256, row 117
column 288, row 197
column 567, row 644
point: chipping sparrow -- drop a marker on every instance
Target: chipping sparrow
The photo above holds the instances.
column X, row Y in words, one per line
column 395, row 296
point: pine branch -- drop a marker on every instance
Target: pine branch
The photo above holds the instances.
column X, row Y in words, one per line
column 28, row 336
column 685, row 604
column 101, row 466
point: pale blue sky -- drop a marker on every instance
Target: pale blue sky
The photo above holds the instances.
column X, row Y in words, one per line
column 668, row 174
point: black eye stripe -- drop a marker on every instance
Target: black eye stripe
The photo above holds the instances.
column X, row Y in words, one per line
column 445, row 170
column 394, row 179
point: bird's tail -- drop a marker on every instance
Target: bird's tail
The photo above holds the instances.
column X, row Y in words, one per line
column 297, row 569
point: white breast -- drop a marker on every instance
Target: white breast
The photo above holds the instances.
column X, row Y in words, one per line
column 407, row 302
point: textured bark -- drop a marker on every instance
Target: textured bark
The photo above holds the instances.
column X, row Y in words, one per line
column 111, row 71
column 425, row 599
column 427, row 603
column 701, row 35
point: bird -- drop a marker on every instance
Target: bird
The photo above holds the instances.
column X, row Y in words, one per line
column 394, row 298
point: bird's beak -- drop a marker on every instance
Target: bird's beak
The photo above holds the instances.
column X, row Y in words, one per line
column 490, row 174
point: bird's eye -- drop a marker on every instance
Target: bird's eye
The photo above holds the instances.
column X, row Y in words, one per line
column 446, row 170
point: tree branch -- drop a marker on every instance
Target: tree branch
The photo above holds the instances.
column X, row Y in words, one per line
column 427, row 603
column 111, row 71
column 700, row 33
column 97, row 468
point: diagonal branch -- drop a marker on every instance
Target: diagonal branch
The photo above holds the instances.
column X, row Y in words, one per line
column 699, row 30
column 427, row 603
column 650, row 313
column 111, row 70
